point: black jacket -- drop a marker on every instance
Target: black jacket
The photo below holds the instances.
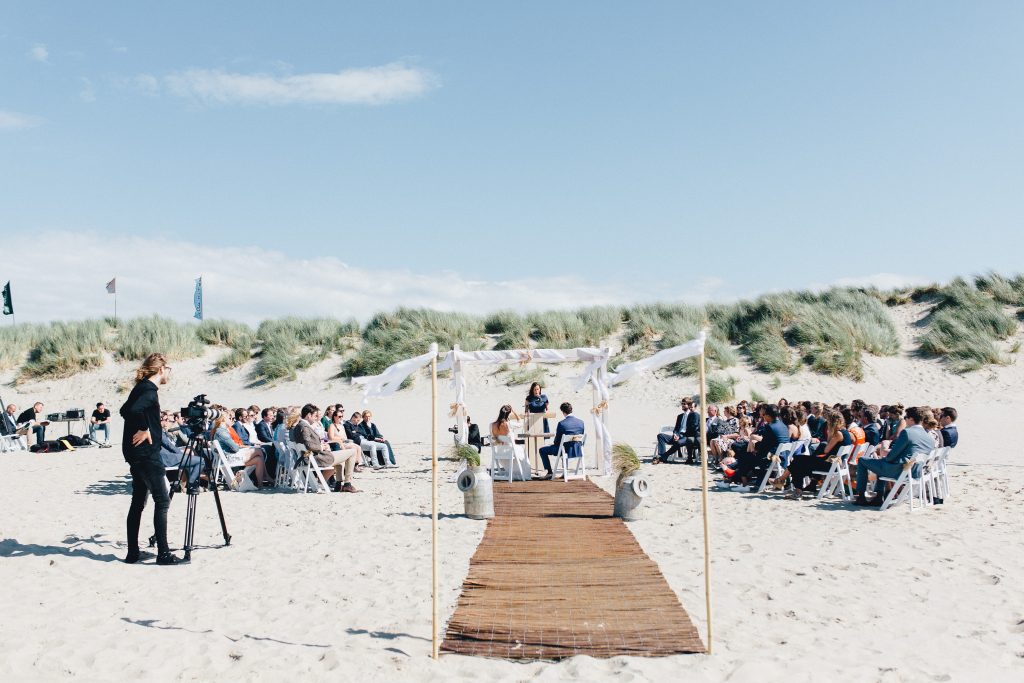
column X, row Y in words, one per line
column 141, row 410
column 354, row 433
column 7, row 424
column 371, row 432
column 691, row 428
column 266, row 435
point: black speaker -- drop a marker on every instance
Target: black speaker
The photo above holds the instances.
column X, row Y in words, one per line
column 76, row 414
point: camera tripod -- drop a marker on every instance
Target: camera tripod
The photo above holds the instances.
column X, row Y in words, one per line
column 197, row 444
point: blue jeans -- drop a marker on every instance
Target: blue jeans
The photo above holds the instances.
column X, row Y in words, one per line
column 879, row 467
column 40, row 433
column 95, row 428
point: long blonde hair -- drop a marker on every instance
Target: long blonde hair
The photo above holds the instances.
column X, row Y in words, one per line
column 152, row 365
column 293, row 418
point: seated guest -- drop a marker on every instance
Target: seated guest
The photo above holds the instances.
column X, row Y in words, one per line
column 728, row 426
column 328, row 417
column 802, row 466
column 281, row 428
column 736, row 443
column 374, row 450
column 33, row 419
column 368, row 429
column 100, row 421
column 230, row 442
column 569, row 426
column 788, row 417
column 950, row 436
column 871, row 426
column 762, row 444
column 346, row 451
column 853, row 426
column 241, row 415
column 816, row 421
column 308, row 438
column 931, row 425
column 895, row 423
column 912, row 440
column 803, row 429
column 685, row 433
column 8, row 422
column 171, row 453
column 182, row 424
column 265, row 437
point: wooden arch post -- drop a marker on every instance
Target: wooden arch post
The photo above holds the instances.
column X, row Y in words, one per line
column 434, row 648
column 704, row 493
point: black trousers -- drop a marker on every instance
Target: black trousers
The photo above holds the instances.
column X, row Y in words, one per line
column 747, row 463
column 148, row 478
column 803, row 465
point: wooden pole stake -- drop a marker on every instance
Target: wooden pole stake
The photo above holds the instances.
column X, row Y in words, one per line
column 435, row 650
column 704, row 494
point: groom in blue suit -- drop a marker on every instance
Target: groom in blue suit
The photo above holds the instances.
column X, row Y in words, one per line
column 569, row 426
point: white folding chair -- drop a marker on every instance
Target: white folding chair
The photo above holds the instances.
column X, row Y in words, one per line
column 12, row 442
column 667, row 429
column 285, row 464
column 941, row 475
column 505, row 461
column 222, row 466
column 309, row 473
column 837, row 477
column 907, row 487
column 562, row 460
column 933, row 474
column 775, row 464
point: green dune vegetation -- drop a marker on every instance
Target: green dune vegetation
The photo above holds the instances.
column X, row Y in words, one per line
column 967, row 324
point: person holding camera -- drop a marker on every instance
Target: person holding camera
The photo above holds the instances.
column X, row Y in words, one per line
column 140, row 446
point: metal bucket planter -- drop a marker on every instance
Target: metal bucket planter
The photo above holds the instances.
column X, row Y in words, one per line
column 478, row 491
column 629, row 497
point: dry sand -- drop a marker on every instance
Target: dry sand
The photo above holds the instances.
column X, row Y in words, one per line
column 338, row 586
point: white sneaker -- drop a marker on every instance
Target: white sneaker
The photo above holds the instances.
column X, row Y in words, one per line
column 742, row 489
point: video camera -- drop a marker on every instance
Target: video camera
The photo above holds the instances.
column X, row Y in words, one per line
column 198, row 412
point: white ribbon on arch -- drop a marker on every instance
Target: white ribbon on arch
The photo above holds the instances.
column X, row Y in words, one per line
column 388, row 382
column 694, row 347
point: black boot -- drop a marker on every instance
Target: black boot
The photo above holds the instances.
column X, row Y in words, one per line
column 167, row 558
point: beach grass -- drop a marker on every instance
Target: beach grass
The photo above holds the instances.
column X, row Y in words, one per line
column 139, row 337
column 721, row 388
column 966, row 322
column 66, row 349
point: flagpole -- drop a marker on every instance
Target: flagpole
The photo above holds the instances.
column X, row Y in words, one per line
column 704, row 494
column 115, row 301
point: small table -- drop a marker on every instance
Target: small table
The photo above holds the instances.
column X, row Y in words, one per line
column 533, row 443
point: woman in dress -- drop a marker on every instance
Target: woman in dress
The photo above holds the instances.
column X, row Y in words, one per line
column 537, row 402
column 803, row 465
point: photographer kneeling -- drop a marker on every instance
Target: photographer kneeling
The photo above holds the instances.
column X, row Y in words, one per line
column 140, row 446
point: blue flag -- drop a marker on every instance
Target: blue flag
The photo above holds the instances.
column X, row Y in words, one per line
column 197, row 298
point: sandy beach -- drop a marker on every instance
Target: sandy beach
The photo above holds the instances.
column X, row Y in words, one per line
column 328, row 586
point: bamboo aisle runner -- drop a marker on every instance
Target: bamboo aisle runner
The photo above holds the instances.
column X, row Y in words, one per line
column 557, row 576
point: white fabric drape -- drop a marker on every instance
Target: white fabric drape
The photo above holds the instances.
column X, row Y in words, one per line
column 387, row 382
column 694, row 347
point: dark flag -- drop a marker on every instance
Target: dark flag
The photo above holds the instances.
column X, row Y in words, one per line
column 8, row 302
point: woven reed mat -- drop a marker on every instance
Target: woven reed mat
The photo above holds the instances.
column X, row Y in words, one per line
column 556, row 576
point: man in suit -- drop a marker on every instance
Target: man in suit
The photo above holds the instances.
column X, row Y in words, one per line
column 872, row 429
column 950, row 435
column 913, row 440
column 265, row 433
column 241, row 415
column 686, row 432
column 569, row 426
column 8, row 423
column 33, row 418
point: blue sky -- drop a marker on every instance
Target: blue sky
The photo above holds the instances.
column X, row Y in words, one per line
column 592, row 151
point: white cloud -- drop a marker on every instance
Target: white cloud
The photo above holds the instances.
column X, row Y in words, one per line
column 147, row 83
column 39, row 53
column 252, row 283
column 10, row 120
column 369, row 85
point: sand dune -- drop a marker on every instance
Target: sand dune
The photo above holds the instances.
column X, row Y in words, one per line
column 337, row 586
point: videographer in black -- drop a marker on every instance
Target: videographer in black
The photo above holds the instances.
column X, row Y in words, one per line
column 141, row 448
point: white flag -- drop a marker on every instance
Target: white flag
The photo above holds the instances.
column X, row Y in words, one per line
column 112, row 286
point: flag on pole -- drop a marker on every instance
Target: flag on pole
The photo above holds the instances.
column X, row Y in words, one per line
column 8, row 302
column 112, row 286
column 197, row 298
